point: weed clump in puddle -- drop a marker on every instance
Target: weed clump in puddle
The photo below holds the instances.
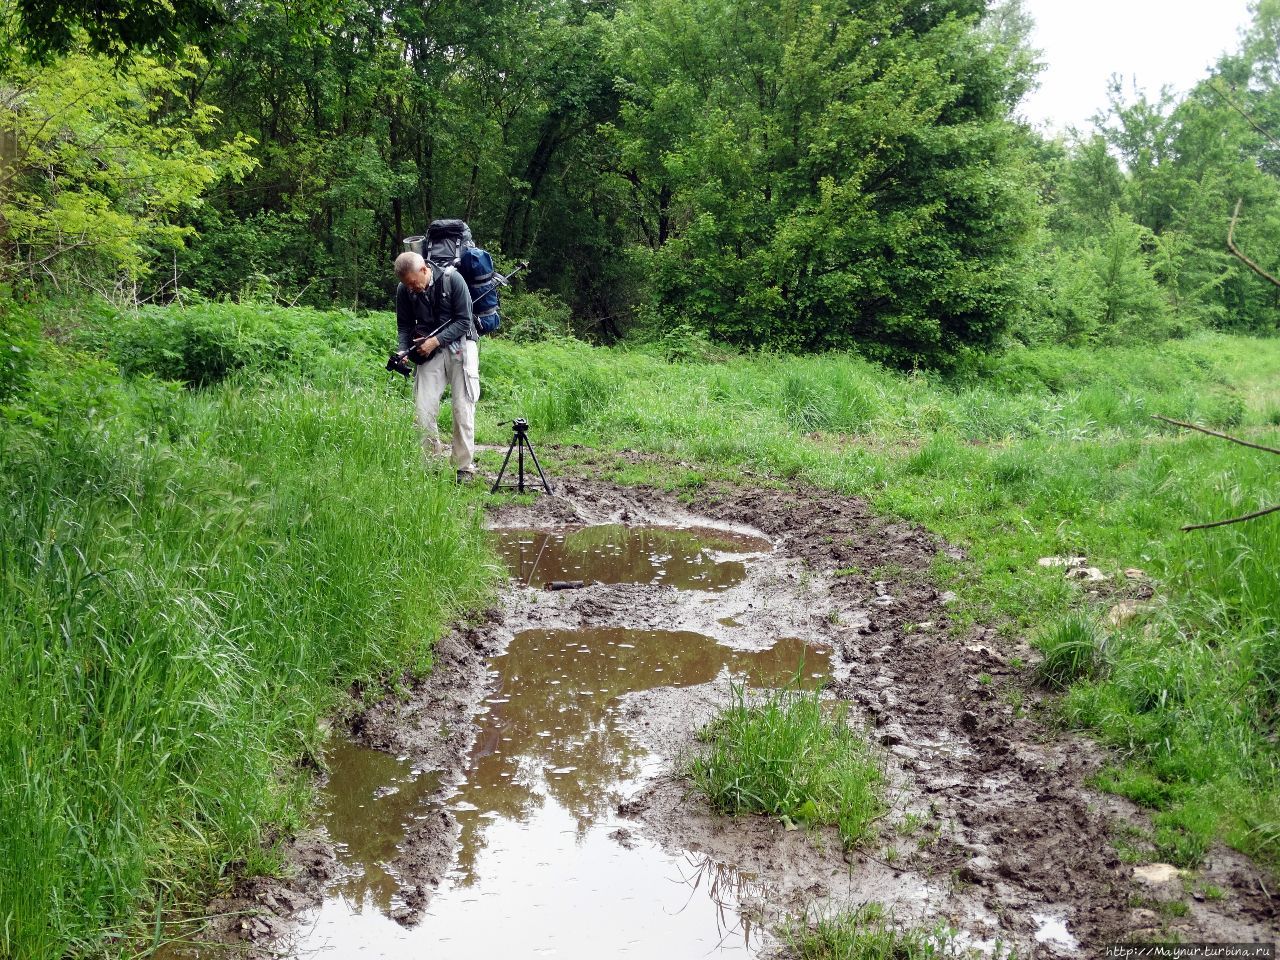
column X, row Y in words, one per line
column 868, row 933
column 791, row 755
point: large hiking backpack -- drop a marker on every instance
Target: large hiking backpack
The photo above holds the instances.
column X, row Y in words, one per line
column 448, row 243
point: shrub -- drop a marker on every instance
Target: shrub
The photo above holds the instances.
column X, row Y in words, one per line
column 19, row 341
column 534, row 316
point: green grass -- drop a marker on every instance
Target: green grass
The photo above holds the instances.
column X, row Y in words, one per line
column 1073, row 651
column 789, row 754
column 187, row 587
column 869, row 933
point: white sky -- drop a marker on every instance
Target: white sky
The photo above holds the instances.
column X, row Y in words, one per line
column 1157, row 41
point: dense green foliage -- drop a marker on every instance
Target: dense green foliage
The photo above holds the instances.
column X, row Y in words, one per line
column 827, row 176
column 188, row 582
column 101, row 168
column 786, row 175
column 40, row 29
column 1139, row 208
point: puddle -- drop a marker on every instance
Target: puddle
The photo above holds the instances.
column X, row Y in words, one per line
column 1053, row 931
column 689, row 558
column 368, row 801
column 545, row 867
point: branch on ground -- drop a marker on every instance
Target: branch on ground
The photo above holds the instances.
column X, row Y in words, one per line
column 1215, row 433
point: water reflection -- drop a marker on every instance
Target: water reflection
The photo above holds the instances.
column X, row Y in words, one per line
column 687, row 558
column 551, row 729
column 538, row 873
column 368, row 801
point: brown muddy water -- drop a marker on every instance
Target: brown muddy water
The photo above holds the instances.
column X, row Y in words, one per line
column 545, row 867
column 688, row 558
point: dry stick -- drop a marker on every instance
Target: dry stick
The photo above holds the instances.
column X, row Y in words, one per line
column 1243, row 443
column 1223, row 523
column 1215, row 433
column 1235, row 251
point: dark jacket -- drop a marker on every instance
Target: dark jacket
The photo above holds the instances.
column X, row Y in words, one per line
column 417, row 314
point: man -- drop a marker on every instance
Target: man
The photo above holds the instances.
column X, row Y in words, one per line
column 433, row 313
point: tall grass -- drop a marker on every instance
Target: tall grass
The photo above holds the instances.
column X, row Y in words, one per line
column 181, row 601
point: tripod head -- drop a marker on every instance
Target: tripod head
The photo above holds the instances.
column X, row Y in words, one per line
column 519, row 425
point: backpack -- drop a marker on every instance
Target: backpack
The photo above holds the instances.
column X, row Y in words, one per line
column 448, row 243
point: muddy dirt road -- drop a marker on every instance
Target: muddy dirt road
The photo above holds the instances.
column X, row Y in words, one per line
column 536, row 807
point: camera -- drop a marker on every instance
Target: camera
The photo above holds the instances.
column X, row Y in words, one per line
column 396, row 363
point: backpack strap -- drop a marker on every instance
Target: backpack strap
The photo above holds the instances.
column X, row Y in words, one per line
column 437, row 287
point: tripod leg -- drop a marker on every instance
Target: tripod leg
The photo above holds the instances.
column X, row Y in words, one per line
column 545, row 486
column 506, row 460
column 520, row 442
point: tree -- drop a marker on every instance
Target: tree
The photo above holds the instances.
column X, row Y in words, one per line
column 40, row 30
column 827, row 175
column 105, row 168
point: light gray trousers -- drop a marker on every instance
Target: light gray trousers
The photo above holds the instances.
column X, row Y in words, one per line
column 460, row 372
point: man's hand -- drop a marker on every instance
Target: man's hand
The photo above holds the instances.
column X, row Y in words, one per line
column 421, row 347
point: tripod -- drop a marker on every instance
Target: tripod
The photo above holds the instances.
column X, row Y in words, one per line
column 520, row 443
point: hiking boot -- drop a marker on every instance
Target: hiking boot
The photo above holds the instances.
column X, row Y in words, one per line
column 465, row 476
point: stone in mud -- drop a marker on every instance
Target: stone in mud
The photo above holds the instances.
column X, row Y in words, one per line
column 978, row 870
column 892, row 734
column 1160, row 880
column 1088, row 574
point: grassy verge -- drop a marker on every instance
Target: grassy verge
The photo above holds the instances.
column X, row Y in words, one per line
column 189, row 582
column 787, row 755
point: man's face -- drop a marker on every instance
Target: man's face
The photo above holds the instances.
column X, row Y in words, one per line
column 418, row 280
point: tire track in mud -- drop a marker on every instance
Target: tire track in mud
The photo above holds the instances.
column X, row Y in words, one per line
column 1010, row 846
